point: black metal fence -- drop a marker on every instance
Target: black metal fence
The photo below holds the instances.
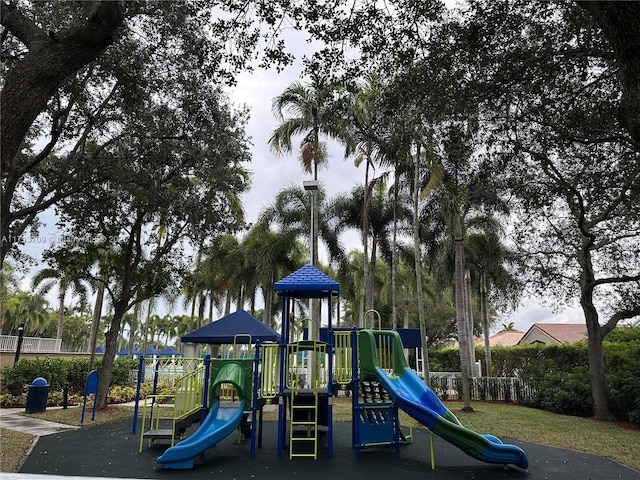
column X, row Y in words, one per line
column 504, row 389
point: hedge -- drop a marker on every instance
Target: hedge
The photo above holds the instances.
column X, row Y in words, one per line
column 59, row 373
column 560, row 374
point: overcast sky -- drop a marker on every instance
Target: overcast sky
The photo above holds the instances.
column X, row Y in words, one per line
column 272, row 173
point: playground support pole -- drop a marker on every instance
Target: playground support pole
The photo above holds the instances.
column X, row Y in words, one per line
column 433, row 458
column 355, row 430
column 330, row 378
column 138, row 385
column 156, row 372
column 205, row 392
column 283, row 366
column 254, row 402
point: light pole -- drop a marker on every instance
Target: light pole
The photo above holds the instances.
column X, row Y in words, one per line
column 312, row 186
column 19, row 343
column 314, row 305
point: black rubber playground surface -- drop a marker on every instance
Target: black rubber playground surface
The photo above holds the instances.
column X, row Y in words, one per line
column 111, row 450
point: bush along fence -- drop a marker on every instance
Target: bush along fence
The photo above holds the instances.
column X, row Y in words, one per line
column 551, row 377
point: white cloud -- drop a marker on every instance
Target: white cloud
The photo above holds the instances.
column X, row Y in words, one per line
column 532, row 311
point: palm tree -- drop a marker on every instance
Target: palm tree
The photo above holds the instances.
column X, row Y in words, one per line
column 364, row 140
column 29, row 309
column 47, row 278
column 452, row 197
column 78, row 325
column 380, row 211
column 464, row 340
column 9, row 283
column 311, row 111
column 417, row 251
column 289, row 214
column 489, row 259
column 352, row 288
column 274, row 254
column 508, row 327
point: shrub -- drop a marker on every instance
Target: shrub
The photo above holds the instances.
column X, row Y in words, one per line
column 121, row 394
column 623, row 383
column 121, row 369
column 16, row 379
column 568, row 393
column 559, row 374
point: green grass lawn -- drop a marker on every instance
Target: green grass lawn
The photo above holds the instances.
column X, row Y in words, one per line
column 617, row 442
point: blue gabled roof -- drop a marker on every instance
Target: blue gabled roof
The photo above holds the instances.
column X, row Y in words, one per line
column 307, row 282
column 234, row 328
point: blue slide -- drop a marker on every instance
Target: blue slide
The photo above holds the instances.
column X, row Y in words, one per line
column 411, row 394
column 219, row 424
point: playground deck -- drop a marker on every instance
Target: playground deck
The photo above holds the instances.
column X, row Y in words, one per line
column 111, row 450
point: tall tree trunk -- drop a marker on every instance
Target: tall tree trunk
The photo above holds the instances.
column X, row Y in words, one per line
column 267, row 316
column 418, row 266
column 227, row 304
column 371, row 286
column 484, row 309
column 469, row 319
column 95, row 323
column 202, row 302
column 463, row 331
column 240, row 298
column 147, row 324
column 597, row 375
column 111, row 347
column 134, row 328
column 394, row 252
column 368, row 296
column 210, row 306
column 61, row 297
column 596, row 333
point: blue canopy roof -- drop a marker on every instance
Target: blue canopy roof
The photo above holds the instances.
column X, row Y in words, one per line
column 170, row 352
column 125, row 351
column 150, row 351
column 307, row 282
column 226, row 329
column 99, row 349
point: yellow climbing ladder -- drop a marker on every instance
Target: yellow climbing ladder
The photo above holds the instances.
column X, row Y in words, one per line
column 304, row 413
column 303, row 426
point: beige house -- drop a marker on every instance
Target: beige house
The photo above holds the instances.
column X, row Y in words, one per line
column 550, row 333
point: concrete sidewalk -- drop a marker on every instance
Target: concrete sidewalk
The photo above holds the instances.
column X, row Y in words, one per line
column 11, row 419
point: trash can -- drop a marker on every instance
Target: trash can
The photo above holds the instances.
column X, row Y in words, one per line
column 37, row 396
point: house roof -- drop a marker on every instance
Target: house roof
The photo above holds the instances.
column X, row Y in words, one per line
column 307, row 282
column 505, row 338
column 234, row 328
column 555, row 333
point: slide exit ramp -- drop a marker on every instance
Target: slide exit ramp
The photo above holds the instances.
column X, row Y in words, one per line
column 220, row 422
column 411, row 394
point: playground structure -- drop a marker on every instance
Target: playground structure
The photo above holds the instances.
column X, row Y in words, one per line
column 301, row 375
